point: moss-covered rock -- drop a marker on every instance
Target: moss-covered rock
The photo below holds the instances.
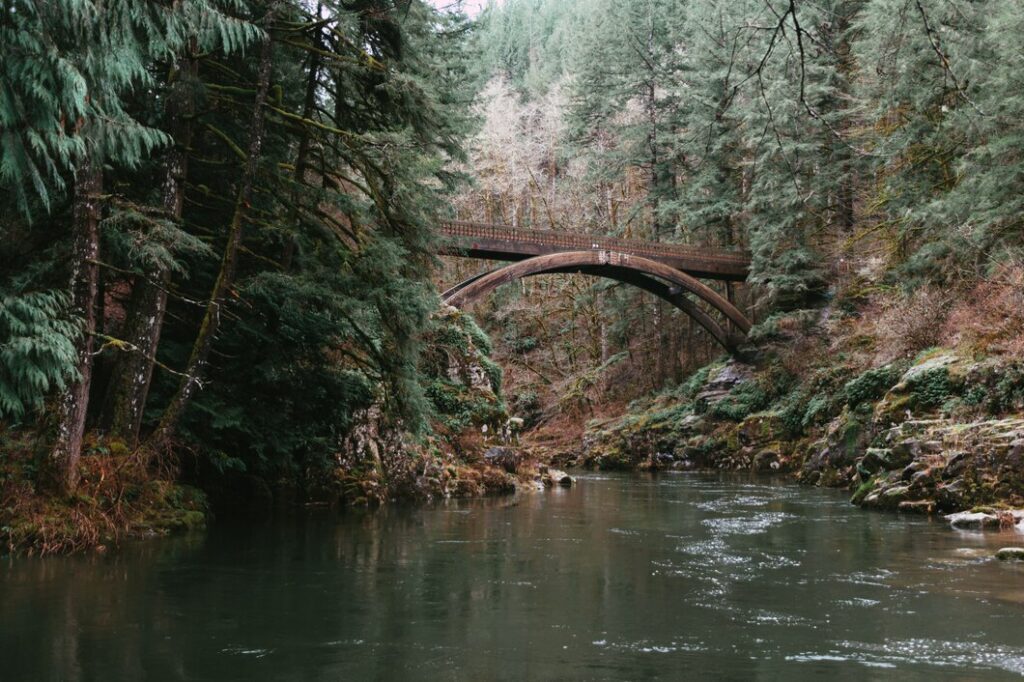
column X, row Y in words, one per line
column 916, row 436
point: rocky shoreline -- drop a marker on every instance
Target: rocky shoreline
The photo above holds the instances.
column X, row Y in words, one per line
column 942, row 434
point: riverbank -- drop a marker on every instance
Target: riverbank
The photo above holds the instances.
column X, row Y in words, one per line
column 830, row 402
column 125, row 492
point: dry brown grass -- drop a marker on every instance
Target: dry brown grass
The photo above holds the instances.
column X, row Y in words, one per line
column 989, row 317
column 981, row 318
column 119, row 494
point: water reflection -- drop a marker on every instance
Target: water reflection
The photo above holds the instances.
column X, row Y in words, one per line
column 621, row 578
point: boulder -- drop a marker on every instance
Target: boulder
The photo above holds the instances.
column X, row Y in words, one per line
column 690, row 423
column 955, row 465
column 904, row 452
column 973, row 520
column 876, row 459
column 505, row 458
column 922, row 480
column 766, row 460
column 951, row 495
column 552, row 477
column 721, row 382
column 892, row 497
column 664, row 459
column 1010, row 554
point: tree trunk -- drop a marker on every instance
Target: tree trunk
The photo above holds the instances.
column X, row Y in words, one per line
column 74, row 404
column 225, row 278
column 302, row 156
column 132, row 376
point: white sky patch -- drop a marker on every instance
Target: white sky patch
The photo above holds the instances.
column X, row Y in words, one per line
column 470, row 7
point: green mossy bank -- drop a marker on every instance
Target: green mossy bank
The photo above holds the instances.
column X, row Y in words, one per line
column 940, row 432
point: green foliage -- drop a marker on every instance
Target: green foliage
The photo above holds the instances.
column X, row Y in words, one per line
column 744, row 400
column 932, row 388
column 456, row 348
column 480, row 340
column 524, row 344
column 37, row 350
column 147, row 242
column 817, row 407
column 689, row 389
column 871, row 385
column 284, row 392
column 494, row 373
column 68, row 71
column 792, row 410
column 709, row 123
column 526, row 405
column 1008, row 394
column 459, row 409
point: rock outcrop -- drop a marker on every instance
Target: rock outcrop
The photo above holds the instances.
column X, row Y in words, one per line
column 942, row 434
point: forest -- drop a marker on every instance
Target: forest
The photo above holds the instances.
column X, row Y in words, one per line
column 219, row 275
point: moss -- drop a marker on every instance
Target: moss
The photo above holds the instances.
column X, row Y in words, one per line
column 871, row 385
column 976, row 395
column 932, row 388
column 745, row 399
column 930, row 354
column 459, row 407
column 494, row 373
column 863, row 490
column 695, row 383
column 1008, row 393
column 815, row 412
column 180, row 520
column 477, row 335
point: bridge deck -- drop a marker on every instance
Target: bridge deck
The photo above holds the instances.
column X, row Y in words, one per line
column 500, row 242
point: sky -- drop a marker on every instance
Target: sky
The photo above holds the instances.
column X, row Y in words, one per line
column 471, row 7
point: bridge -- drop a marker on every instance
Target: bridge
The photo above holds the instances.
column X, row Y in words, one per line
column 672, row 272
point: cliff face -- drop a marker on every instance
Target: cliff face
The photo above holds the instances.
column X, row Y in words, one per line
column 379, row 460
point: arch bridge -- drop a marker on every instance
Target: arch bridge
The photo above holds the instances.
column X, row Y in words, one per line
column 671, row 272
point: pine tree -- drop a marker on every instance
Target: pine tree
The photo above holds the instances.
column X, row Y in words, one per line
column 106, row 46
column 212, row 318
column 197, row 27
column 917, row 57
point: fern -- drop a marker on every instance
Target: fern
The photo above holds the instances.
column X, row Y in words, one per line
column 37, row 350
column 65, row 76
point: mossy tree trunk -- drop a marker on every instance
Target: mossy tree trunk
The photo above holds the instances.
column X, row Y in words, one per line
column 74, row 403
column 225, row 278
column 302, row 156
column 132, row 375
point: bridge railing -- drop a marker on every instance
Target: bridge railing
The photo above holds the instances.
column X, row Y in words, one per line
column 585, row 242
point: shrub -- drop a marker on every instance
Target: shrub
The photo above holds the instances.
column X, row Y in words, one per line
column 932, row 388
column 476, row 334
column 871, row 385
column 693, row 385
column 1008, row 394
column 815, row 412
column 494, row 373
column 744, row 400
column 37, row 350
column 990, row 317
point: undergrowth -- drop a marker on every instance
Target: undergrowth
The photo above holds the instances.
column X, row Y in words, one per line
column 119, row 495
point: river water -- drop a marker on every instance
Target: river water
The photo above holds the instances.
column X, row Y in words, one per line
column 621, row 578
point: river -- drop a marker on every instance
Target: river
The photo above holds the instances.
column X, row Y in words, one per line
column 625, row 577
